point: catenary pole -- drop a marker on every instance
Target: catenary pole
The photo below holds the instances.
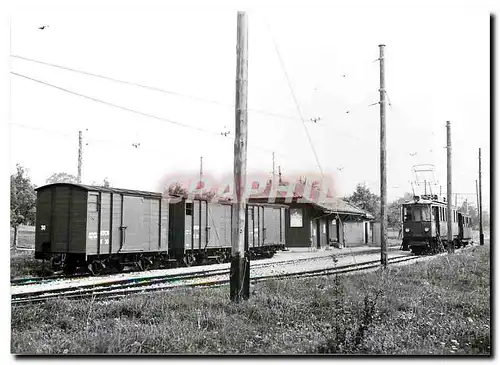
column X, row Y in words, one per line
column 451, row 245
column 240, row 262
column 383, row 172
column 481, row 233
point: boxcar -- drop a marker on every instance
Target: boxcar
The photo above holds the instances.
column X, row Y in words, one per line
column 107, row 228
column 201, row 231
column 79, row 225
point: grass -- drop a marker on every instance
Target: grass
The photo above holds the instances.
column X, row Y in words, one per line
column 25, row 237
column 23, row 263
column 437, row 307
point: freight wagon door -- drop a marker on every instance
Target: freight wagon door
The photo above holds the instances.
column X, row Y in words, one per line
column 228, row 214
column 262, row 228
column 132, row 222
column 215, row 225
column 272, row 225
column 200, row 224
column 189, row 234
column 250, row 225
column 204, row 226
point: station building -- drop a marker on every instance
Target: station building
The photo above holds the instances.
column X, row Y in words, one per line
column 317, row 222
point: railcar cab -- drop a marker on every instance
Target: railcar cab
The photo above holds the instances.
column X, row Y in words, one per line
column 418, row 218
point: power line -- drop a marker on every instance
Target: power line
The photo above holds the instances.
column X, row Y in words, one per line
column 297, row 105
column 164, row 91
column 132, row 110
column 120, row 81
column 114, row 105
column 152, row 88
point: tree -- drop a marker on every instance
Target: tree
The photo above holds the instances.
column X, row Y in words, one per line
column 394, row 211
column 104, row 183
column 364, row 199
column 473, row 212
column 176, row 189
column 22, row 200
column 61, row 177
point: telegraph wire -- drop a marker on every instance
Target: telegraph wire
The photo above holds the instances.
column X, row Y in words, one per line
column 164, row 91
column 120, row 81
column 152, row 88
column 156, row 89
column 133, row 111
column 297, row 104
column 334, row 211
column 112, row 104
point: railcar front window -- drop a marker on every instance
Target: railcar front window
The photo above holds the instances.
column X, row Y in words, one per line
column 421, row 214
column 417, row 214
column 407, row 214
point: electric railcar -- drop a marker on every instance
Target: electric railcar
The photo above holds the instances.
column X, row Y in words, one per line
column 425, row 225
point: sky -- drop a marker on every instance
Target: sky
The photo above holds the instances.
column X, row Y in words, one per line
column 436, row 67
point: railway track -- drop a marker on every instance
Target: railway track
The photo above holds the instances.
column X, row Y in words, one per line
column 51, row 278
column 120, row 288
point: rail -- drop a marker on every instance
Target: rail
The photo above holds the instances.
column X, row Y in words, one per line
column 217, row 277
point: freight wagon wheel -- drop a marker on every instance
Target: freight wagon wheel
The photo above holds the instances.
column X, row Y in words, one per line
column 156, row 263
column 96, row 267
column 117, row 265
column 147, row 263
column 69, row 270
column 189, row 260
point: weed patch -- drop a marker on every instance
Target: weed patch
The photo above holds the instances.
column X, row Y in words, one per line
column 438, row 307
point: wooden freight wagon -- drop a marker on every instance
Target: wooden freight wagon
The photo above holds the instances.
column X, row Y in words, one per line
column 201, row 231
column 80, row 225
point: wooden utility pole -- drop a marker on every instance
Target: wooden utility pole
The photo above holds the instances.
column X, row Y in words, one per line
column 477, row 196
column 240, row 261
column 80, row 155
column 383, row 173
column 481, row 234
column 456, row 200
column 451, row 245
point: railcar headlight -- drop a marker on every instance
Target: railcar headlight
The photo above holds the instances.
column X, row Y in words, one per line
column 407, row 230
column 426, row 229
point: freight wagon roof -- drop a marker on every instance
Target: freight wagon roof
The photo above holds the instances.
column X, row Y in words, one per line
column 105, row 190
